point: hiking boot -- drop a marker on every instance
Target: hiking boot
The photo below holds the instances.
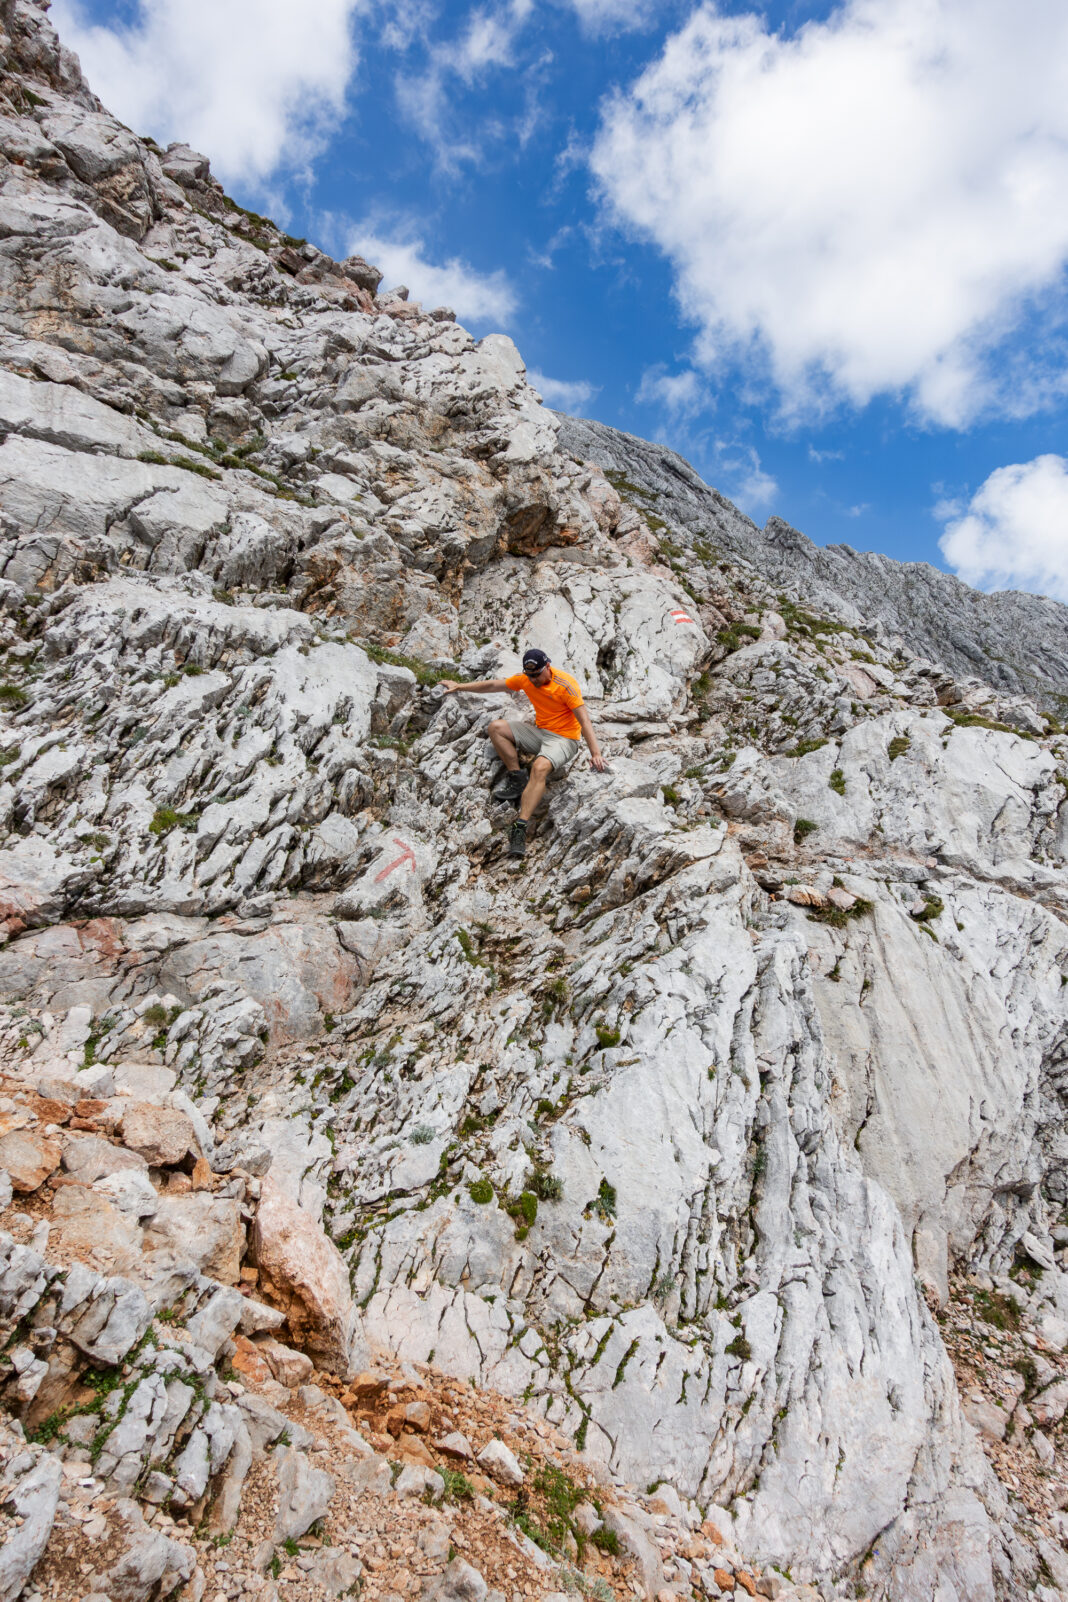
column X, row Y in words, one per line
column 511, row 787
column 517, row 840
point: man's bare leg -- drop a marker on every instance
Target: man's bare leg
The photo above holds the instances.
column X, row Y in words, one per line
column 504, row 744
column 535, row 789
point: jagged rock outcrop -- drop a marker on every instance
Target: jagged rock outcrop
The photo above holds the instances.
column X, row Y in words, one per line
column 1015, row 641
column 670, row 1131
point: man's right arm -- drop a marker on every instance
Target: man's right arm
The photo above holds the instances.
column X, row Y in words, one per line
column 479, row 687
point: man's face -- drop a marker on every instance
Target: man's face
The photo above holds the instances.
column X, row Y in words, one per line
column 540, row 677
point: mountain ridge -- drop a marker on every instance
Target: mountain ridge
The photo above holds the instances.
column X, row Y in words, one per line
column 1016, row 640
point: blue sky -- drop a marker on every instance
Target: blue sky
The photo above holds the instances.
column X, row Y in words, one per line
column 819, row 249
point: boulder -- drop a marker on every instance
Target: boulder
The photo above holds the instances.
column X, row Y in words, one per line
column 29, row 1158
column 304, row 1495
column 162, row 1135
column 200, row 1229
column 84, row 1223
column 305, row 1275
column 461, row 1582
column 150, row 1565
column 288, row 1367
column 33, row 1498
column 501, row 1464
column 337, row 1572
column 88, row 1158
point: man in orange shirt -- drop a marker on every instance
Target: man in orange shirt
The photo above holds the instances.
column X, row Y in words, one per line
column 553, row 740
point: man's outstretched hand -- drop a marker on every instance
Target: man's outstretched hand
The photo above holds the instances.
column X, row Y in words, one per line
column 597, row 761
column 450, row 686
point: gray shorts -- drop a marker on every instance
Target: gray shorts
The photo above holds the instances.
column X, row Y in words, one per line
column 543, row 742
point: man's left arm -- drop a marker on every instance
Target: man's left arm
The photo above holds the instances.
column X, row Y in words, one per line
column 586, row 726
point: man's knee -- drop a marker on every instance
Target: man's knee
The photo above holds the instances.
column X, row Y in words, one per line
column 500, row 726
column 542, row 767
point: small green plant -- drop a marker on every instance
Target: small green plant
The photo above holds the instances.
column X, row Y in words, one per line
column 975, row 720
column 1003, row 1312
column 803, row 747
column 606, row 1540
column 733, row 637
column 480, row 1191
column 555, row 994
column 289, row 1545
column 606, row 1038
column 898, row 746
column 545, row 1185
column 739, row 1347
column 12, row 695
column 933, row 907
column 524, row 1208
column 803, row 827
column 156, row 1016
column 606, row 1201
column 426, row 676
column 838, row 917
column 836, row 782
column 165, row 819
column 421, row 1135
column 458, row 1487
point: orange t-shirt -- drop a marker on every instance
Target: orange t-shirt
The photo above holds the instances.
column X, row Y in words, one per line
column 554, row 704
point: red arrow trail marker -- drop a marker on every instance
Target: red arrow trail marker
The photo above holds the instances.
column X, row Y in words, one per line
column 407, row 856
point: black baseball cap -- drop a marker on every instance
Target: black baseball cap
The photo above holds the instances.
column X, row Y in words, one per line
column 534, row 660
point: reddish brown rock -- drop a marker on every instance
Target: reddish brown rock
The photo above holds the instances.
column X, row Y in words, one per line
column 47, row 1110
column 29, row 1158
column 304, row 1274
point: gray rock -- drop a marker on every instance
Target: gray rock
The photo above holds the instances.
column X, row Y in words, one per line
column 461, row 1582
column 304, row 1494
column 150, row 1565
column 33, row 1498
column 370, row 1474
column 416, row 1480
column 501, row 1463
column 337, row 1572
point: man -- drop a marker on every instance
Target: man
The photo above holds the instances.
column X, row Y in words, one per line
column 560, row 717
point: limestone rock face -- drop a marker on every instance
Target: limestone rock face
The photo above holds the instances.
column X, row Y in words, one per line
column 678, row 1131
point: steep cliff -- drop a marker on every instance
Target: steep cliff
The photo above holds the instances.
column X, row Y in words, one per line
column 671, row 1131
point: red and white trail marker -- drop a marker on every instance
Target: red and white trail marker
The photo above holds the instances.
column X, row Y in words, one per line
column 679, row 616
column 407, row 856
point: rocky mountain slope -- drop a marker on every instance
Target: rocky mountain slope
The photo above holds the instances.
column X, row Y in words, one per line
column 716, row 1138
column 1014, row 641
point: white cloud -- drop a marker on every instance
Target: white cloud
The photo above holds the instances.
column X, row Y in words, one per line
column 755, row 488
column 486, row 44
column 256, row 86
column 680, row 394
column 869, row 205
column 613, row 16
column 1014, row 533
column 563, row 394
column 475, row 297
